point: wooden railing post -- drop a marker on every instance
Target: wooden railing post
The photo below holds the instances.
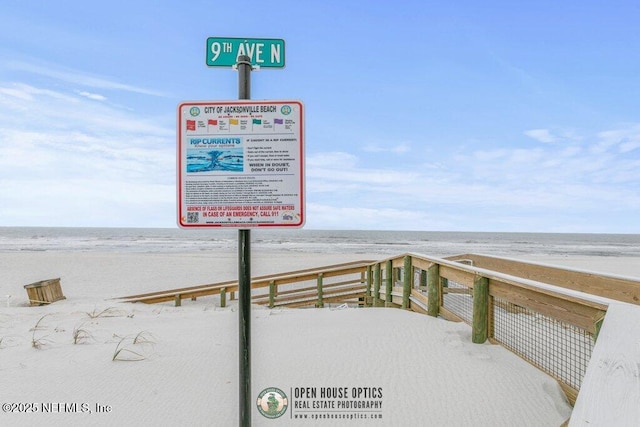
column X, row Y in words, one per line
column 272, row 294
column 320, row 295
column 433, row 290
column 223, row 297
column 597, row 325
column 178, row 300
column 377, row 273
column 388, row 299
column 407, row 281
column 367, row 300
column 480, row 326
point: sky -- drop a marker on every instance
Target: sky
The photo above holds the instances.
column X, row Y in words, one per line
column 419, row 115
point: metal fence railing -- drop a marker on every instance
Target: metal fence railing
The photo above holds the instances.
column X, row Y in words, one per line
column 457, row 298
column 558, row 348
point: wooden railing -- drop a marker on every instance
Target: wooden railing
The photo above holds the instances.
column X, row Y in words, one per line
column 291, row 289
column 540, row 322
column 608, row 286
column 547, row 315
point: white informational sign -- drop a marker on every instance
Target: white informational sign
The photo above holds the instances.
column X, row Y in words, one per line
column 240, row 164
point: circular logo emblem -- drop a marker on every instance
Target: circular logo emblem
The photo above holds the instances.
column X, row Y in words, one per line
column 194, row 111
column 286, row 110
column 272, row 402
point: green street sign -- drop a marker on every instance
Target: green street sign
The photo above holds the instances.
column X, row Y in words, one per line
column 224, row 52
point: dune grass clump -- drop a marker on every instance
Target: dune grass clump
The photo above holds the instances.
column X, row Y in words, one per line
column 133, row 349
column 37, row 340
column 107, row 312
column 81, row 334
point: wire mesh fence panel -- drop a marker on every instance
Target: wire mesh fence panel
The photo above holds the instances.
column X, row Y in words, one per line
column 458, row 299
column 558, row 348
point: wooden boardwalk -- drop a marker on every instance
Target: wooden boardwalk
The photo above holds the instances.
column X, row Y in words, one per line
column 610, row 392
column 300, row 296
column 557, row 314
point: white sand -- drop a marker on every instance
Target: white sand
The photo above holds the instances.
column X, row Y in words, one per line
column 617, row 266
column 429, row 371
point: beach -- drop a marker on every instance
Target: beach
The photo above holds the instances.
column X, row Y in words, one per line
column 90, row 359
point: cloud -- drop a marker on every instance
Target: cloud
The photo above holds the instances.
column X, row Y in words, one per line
column 368, row 218
column 341, row 172
column 552, row 187
column 399, row 148
column 86, row 201
column 332, row 160
column 93, row 96
column 64, row 157
column 624, row 140
column 542, row 135
column 78, row 77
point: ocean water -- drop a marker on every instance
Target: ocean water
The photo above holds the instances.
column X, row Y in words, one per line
column 317, row 241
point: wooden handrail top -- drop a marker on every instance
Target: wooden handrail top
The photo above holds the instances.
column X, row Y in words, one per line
column 545, row 288
column 256, row 282
column 187, row 292
column 614, row 287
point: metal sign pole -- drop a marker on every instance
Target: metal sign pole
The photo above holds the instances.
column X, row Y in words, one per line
column 244, row 276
